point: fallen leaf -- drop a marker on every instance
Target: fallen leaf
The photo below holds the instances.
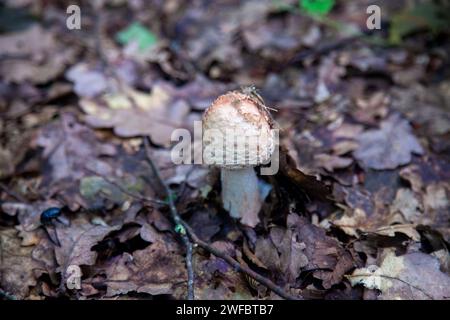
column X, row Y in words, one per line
column 201, row 92
column 388, row 147
column 412, row 174
column 132, row 113
column 43, row 57
column 17, row 266
column 436, row 197
column 371, row 109
column 251, row 256
column 267, row 253
column 154, row 270
column 87, row 83
column 308, row 183
column 205, row 223
column 348, row 131
column 408, row 229
column 77, row 241
column 331, row 162
column 414, row 276
column 358, row 222
column 216, row 279
column 270, row 36
column 436, row 205
column 343, row 147
column 407, row 204
column 292, row 253
column 6, row 163
column 324, row 254
column 149, row 233
column 425, row 106
column 71, row 147
column 195, row 176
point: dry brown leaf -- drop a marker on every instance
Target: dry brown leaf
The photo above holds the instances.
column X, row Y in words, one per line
column 292, row 254
column 17, row 266
column 343, row 147
column 358, row 222
column 40, row 57
column 77, row 241
column 71, row 147
column 412, row 174
column 387, row 147
column 87, row 82
column 411, row 276
column 323, row 252
column 436, row 197
column 154, row 270
column 408, row 229
column 331, row 162
column 408, row 205
column 216, row 279
column 267, row 253
column 348, row 131
column 132, row 113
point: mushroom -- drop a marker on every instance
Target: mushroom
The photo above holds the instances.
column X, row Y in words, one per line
column 237, row 136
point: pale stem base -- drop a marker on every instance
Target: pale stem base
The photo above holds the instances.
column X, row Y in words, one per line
column 240, row 195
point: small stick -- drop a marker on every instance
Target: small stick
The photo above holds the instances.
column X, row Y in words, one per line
column 178, row 222
column 240, row 267
column 187, row 230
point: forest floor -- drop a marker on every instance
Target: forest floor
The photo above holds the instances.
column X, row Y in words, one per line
column 358, row 210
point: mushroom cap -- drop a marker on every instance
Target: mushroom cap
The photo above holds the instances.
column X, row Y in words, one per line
column 237, row 132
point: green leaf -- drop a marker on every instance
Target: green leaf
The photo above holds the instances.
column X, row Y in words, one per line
column 317, row 7
column 136, row 32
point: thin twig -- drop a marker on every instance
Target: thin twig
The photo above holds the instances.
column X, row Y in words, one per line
column 235, row 264
column 195, row 239
column 177, row 220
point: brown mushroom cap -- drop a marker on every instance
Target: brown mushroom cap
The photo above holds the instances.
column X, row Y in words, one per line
column 241, row 119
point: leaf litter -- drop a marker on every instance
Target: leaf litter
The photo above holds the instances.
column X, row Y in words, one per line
column 361, row 197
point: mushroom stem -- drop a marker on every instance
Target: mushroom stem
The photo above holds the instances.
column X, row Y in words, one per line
column 240, row 194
